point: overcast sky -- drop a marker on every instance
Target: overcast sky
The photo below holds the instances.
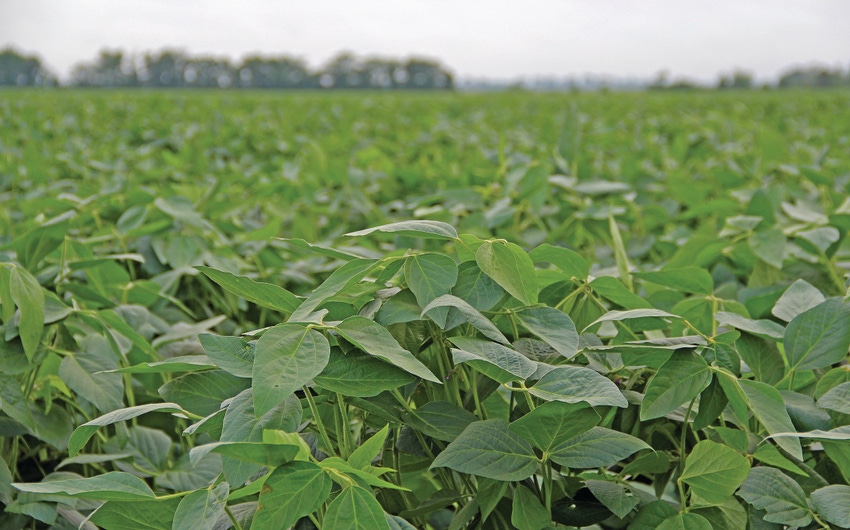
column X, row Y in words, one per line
column 475, row 38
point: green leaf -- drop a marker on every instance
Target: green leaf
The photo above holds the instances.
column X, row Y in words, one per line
column 685, row 521
column 652, row 515
column 555, row 422
column 620, row 256
column 712, row 402
column 553, row 326
column 292, row 491
column 85, row 431
column 342, row 278
column 598, row 447
column 686, row 279
column 417, row 228
column 202, row 509
column 769, row 246
column 769, row 409
column 616, row 497
column 5, row 483
column 79, row 372
column 202, row 393
column 819, row 336
column 489, row 449
column 612, row 289
column 769, row 454
column 648, row 464
column 509, row 266
column 14, row 403
column 286, row 358
column 527, row 512
column 476, row 350
column 489, row 493
column 28, row 296
column 678, row 381
column 798, row 298
column 440, row 420
column 612, row 316
column 767, row 329
column 571, row 263
column 112, row 486
column 476, row 288
column 182, row 363
column 730, row 515
column 365, row 476
column 763, row 358
column 355, row 509
column 360, row 375
column 137, row 515
column 263, row 294
column 783, row 499
column 430, row 276
column 714, row 471
column 375, row 340
column 479, row 321
column 232, row 354
column 266, row 454
column 574, row 384
column 833, row 504
column 368, row 450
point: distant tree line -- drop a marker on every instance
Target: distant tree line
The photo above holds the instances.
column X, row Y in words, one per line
column 176, row 69
column 172, row 68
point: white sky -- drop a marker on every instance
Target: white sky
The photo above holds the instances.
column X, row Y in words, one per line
column 498, row 39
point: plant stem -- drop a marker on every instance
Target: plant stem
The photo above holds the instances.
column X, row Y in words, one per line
column 318, row 419
column 232, row 518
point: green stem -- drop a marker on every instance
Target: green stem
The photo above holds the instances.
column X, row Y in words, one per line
column 345, row 425
column 232, row 518
column 318, row 419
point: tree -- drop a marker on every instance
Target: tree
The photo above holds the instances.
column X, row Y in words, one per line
column 110, row 69
column 17, row 69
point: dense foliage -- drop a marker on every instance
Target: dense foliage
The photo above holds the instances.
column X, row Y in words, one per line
column 432, row 311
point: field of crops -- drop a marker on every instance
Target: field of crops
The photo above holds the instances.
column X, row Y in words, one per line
column 439, row 311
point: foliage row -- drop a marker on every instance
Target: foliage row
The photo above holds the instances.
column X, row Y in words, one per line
column 582, row 352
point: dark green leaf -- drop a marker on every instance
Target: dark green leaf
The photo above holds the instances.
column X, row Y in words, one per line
column 28, row 296
column 360, row 375
column 375, row 340
column 292, row 491
column 355, row 509
column 678, row 381
column 489, row 449
column 616, row 497
column 527, row 512
column 510, row 267
column 833, row 504
column 555, row 422
column 819, row 336
column 286, row 358
column 430, row 276
column 574, row 384
column 714, row 471
column 232, row 354
column 783, row 499
column 553, row 326
column 85, row 431
column 137, row 515
column 202, row 393
column 263, row 294
column 598, row 447
column 686, row 279
column 439, row 419
column 202, row 509
column 112, row 486
column 571, row 263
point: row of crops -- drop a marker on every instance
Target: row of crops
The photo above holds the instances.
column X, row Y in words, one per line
column 436, row 311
